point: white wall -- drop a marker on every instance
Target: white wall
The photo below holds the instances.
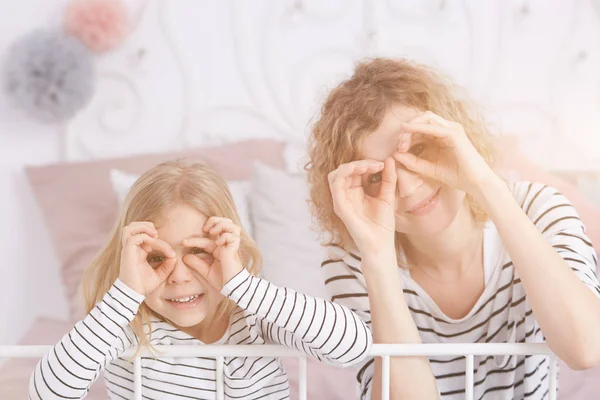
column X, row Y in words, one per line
column 24, row 241
column 259, row 68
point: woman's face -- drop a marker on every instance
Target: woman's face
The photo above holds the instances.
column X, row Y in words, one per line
column 423, row 206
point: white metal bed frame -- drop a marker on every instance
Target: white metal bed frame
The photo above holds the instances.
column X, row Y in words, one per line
column 120, row 115
column 385, row 351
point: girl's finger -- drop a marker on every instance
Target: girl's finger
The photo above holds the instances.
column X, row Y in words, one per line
column 212, row 221
column 165, row 269
column 196, row 264
column 138, row 240
column 226, row 238
column 146, row 247
column 161, row 246
column 225, row 226
column 206, row 244
column 138, row 228
column 144, row 241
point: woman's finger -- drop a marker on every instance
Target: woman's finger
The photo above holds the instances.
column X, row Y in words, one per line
column 356, row 181
column 389, row 180
column 429, row 117
column 404, row 141
column 436, row 131
column 416, row 164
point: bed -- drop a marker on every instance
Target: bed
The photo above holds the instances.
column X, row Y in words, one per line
column 239, row 81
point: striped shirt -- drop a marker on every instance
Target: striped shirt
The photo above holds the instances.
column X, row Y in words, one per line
column 267, row 315
column 501, row 314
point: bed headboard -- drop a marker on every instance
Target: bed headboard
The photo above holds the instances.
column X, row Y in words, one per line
column 215, row 71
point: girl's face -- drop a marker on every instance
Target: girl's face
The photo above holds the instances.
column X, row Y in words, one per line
column 185, row 298
column 423, row 206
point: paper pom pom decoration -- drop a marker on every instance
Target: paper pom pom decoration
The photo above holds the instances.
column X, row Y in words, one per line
column 99, row 24
column 50, row 75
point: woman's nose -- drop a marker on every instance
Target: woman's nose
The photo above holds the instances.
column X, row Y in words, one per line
column 408, row 182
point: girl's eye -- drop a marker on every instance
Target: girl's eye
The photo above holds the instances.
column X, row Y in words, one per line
column 417, row 149
column 200, row 253
column 197, row 250
column 155, row 260
column 375, row 178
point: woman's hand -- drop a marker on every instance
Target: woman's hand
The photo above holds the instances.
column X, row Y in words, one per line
column 447, row 156
column 369, row 220
column 223, row 247
column 146, row 261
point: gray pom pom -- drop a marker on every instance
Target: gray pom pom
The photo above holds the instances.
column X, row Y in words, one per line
column 50, row 75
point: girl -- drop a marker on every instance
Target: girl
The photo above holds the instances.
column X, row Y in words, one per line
column 430, row 245
column 178, row 270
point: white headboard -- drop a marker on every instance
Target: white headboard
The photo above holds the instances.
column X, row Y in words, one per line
column 203, row 72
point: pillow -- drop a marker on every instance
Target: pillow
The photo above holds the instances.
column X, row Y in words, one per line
column 323, row 381
column 292, row 253
column 15, row 372
column 80, row 207
column 240, row 190
column 515, row 166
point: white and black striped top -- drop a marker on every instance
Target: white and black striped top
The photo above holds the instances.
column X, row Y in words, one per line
column 267, row 315
column 502, row 313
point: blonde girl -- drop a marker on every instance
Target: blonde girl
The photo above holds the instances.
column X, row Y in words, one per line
column 179, row 270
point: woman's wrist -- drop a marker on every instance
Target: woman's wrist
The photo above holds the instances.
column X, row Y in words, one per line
column 488, row 190
column 493, row 195
column 379, row 261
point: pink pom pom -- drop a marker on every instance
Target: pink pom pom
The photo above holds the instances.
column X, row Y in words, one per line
column 99, row 24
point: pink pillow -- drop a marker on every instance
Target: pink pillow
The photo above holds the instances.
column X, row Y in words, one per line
column 15, row 373
column 323, row 381
column 80, row 206
column 513, row 162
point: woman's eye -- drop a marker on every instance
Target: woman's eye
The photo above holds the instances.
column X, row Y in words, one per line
column 417, row 149
column 375, row 178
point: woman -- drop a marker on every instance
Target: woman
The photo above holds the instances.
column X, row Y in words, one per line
column 429, row 244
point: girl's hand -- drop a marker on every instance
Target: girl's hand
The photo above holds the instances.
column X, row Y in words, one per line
column 223, row 246
column 369, row 220
column 146, row 261
column 447, row 155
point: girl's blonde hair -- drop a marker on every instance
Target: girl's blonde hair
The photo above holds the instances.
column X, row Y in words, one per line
column 180, row 182
column 356, row 108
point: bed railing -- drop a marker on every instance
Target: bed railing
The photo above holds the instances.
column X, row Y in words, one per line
column 384, row 351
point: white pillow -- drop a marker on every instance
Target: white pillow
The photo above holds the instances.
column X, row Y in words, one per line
column 295, row 156
column 240, row 191
column 292, row 254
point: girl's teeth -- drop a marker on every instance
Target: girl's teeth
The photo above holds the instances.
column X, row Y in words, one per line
column 185, row 299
